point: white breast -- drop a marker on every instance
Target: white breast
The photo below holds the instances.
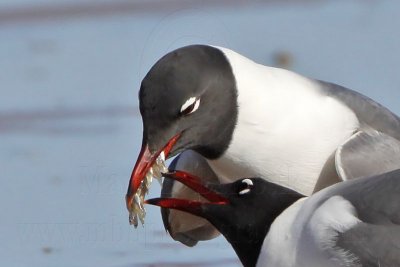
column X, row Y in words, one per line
column 286, row 127
column 279, row 245
column 305, row 234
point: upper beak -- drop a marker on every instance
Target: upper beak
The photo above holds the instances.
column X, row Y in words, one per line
column 143, row 164
column 191, row 206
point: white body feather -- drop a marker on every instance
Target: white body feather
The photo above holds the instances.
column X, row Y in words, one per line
column 292, row 126
column 305, row 235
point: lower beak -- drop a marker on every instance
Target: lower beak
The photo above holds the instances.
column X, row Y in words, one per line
column 143, row 164
column 191, row 206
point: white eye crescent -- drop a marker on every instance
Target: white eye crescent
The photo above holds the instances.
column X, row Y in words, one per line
column 190, row 106
column 249, row 183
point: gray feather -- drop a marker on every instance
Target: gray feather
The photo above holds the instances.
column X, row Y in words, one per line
column 375, row 241
column 366, row 154
column 373, row 245
column 370, row 113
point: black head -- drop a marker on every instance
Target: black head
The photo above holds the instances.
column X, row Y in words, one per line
column 242, row 211
column 188, row 100
column 253, row 206
column 190, row 91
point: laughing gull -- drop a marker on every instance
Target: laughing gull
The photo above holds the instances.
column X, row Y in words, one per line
column 355, row 223
column 242, row 119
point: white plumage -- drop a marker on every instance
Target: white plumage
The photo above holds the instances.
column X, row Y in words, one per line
column 305, row 234
column 293, row 128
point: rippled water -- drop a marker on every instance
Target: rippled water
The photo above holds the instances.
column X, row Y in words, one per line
column 64, row 197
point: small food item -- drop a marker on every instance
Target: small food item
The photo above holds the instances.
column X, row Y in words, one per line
column 136, row 210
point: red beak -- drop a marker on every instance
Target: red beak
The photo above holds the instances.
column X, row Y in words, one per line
column 143, row 164
column 190, row 206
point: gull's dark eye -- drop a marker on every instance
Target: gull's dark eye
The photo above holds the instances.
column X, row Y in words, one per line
column 190, row 106
column 245, row 186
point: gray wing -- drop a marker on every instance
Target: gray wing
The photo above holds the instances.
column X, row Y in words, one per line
column 376, row 240
column 373, row 245
column 184, row 227
column 370, row 113
column 367, row 153
column 357, row 222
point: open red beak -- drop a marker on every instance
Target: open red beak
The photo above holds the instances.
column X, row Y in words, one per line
column 143, row 164
column 190, row 206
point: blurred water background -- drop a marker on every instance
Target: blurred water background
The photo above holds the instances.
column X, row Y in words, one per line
column 70, row 130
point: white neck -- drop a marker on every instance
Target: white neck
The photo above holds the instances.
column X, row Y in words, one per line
column 282, row 237
column 286, row 127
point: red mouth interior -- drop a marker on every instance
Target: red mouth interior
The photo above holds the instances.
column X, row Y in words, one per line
column 191, row 206
column 196, row 184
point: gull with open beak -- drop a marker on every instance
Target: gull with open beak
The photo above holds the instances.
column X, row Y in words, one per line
column 236, row 118
column 355, row 223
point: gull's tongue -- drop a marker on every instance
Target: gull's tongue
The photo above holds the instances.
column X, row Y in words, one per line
column 137, row 210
